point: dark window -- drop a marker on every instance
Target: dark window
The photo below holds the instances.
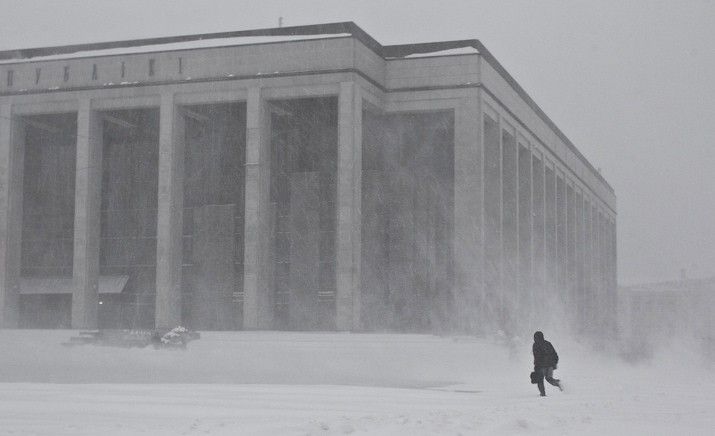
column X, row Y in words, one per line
column 181, row 66
column 38, row 72
column 10, row 74
column 67, row 73
column 151, row 67
column 122, row 69
column 94, row 72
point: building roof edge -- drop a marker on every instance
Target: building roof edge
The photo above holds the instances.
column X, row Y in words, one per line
column 312, row 29
column 316, row 29
column 489, row 57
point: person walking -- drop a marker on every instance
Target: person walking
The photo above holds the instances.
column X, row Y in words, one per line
column 545, row 362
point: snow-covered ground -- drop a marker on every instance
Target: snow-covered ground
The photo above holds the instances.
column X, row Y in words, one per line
column 272, row 383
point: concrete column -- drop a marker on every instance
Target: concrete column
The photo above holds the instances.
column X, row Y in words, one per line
column 578, row 221
column 603, row 279
column 510, row 237
column 596, row 264
column 550, row 278
column 614, row 273
column 525, row 214
column 538, row 237
column 490, row 302
column 595, row 284
column 570, row 294
column 349, row 217
column 257, row 263
column 561, row 243
column 12, row 153
column 468, row 248
column 589, row 300
column 88, row 191
column 170, row 214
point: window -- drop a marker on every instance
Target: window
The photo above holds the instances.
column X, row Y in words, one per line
column 66, row 73
column 94, row 72
column 38, row 72
column 151, row 67
column 10, row 77
column 122, row 70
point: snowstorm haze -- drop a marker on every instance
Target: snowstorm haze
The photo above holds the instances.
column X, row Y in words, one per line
column 630, row 83
column 296, row 261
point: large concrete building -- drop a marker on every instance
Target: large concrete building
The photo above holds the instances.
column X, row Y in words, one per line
column 300, row 178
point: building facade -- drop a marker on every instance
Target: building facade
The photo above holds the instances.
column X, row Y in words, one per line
column 292, row 178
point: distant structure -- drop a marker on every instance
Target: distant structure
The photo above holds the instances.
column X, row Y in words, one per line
column 655, row 312
column 292, row 178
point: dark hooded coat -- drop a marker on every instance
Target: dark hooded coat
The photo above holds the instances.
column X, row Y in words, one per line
column 544, row 353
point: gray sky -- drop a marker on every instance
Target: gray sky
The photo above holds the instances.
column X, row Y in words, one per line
column 630, row 83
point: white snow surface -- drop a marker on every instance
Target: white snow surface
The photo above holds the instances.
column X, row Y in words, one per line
column 448, row 52
column 199, row 43
column 273, row 383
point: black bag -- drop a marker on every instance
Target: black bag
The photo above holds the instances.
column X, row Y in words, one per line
column 534, row 378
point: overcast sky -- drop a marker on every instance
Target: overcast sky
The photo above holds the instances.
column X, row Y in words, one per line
column 631, row 83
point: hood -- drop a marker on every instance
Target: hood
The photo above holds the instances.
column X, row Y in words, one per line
column 538, row 337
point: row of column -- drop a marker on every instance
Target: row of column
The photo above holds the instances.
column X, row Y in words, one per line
column 550, row 248
column 258, row 291
column 469, row 200
column 521, row 229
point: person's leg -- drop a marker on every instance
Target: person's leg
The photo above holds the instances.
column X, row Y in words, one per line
column 549, row 375
column 540, row 381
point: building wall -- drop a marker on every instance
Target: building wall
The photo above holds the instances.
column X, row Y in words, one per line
column 572, row 279
column 128, row 216
column 407, row 221
column 504, row 98
column 48, row 215
column 441, row 71
column 518, row 237
column 131, row 70
column 48, row 196
column 213, row 216
column 303, row 207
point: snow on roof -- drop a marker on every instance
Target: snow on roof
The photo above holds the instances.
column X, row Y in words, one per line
column 199, row 43
column 448, row 52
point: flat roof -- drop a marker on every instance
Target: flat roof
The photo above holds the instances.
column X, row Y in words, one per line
column 312, row 31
